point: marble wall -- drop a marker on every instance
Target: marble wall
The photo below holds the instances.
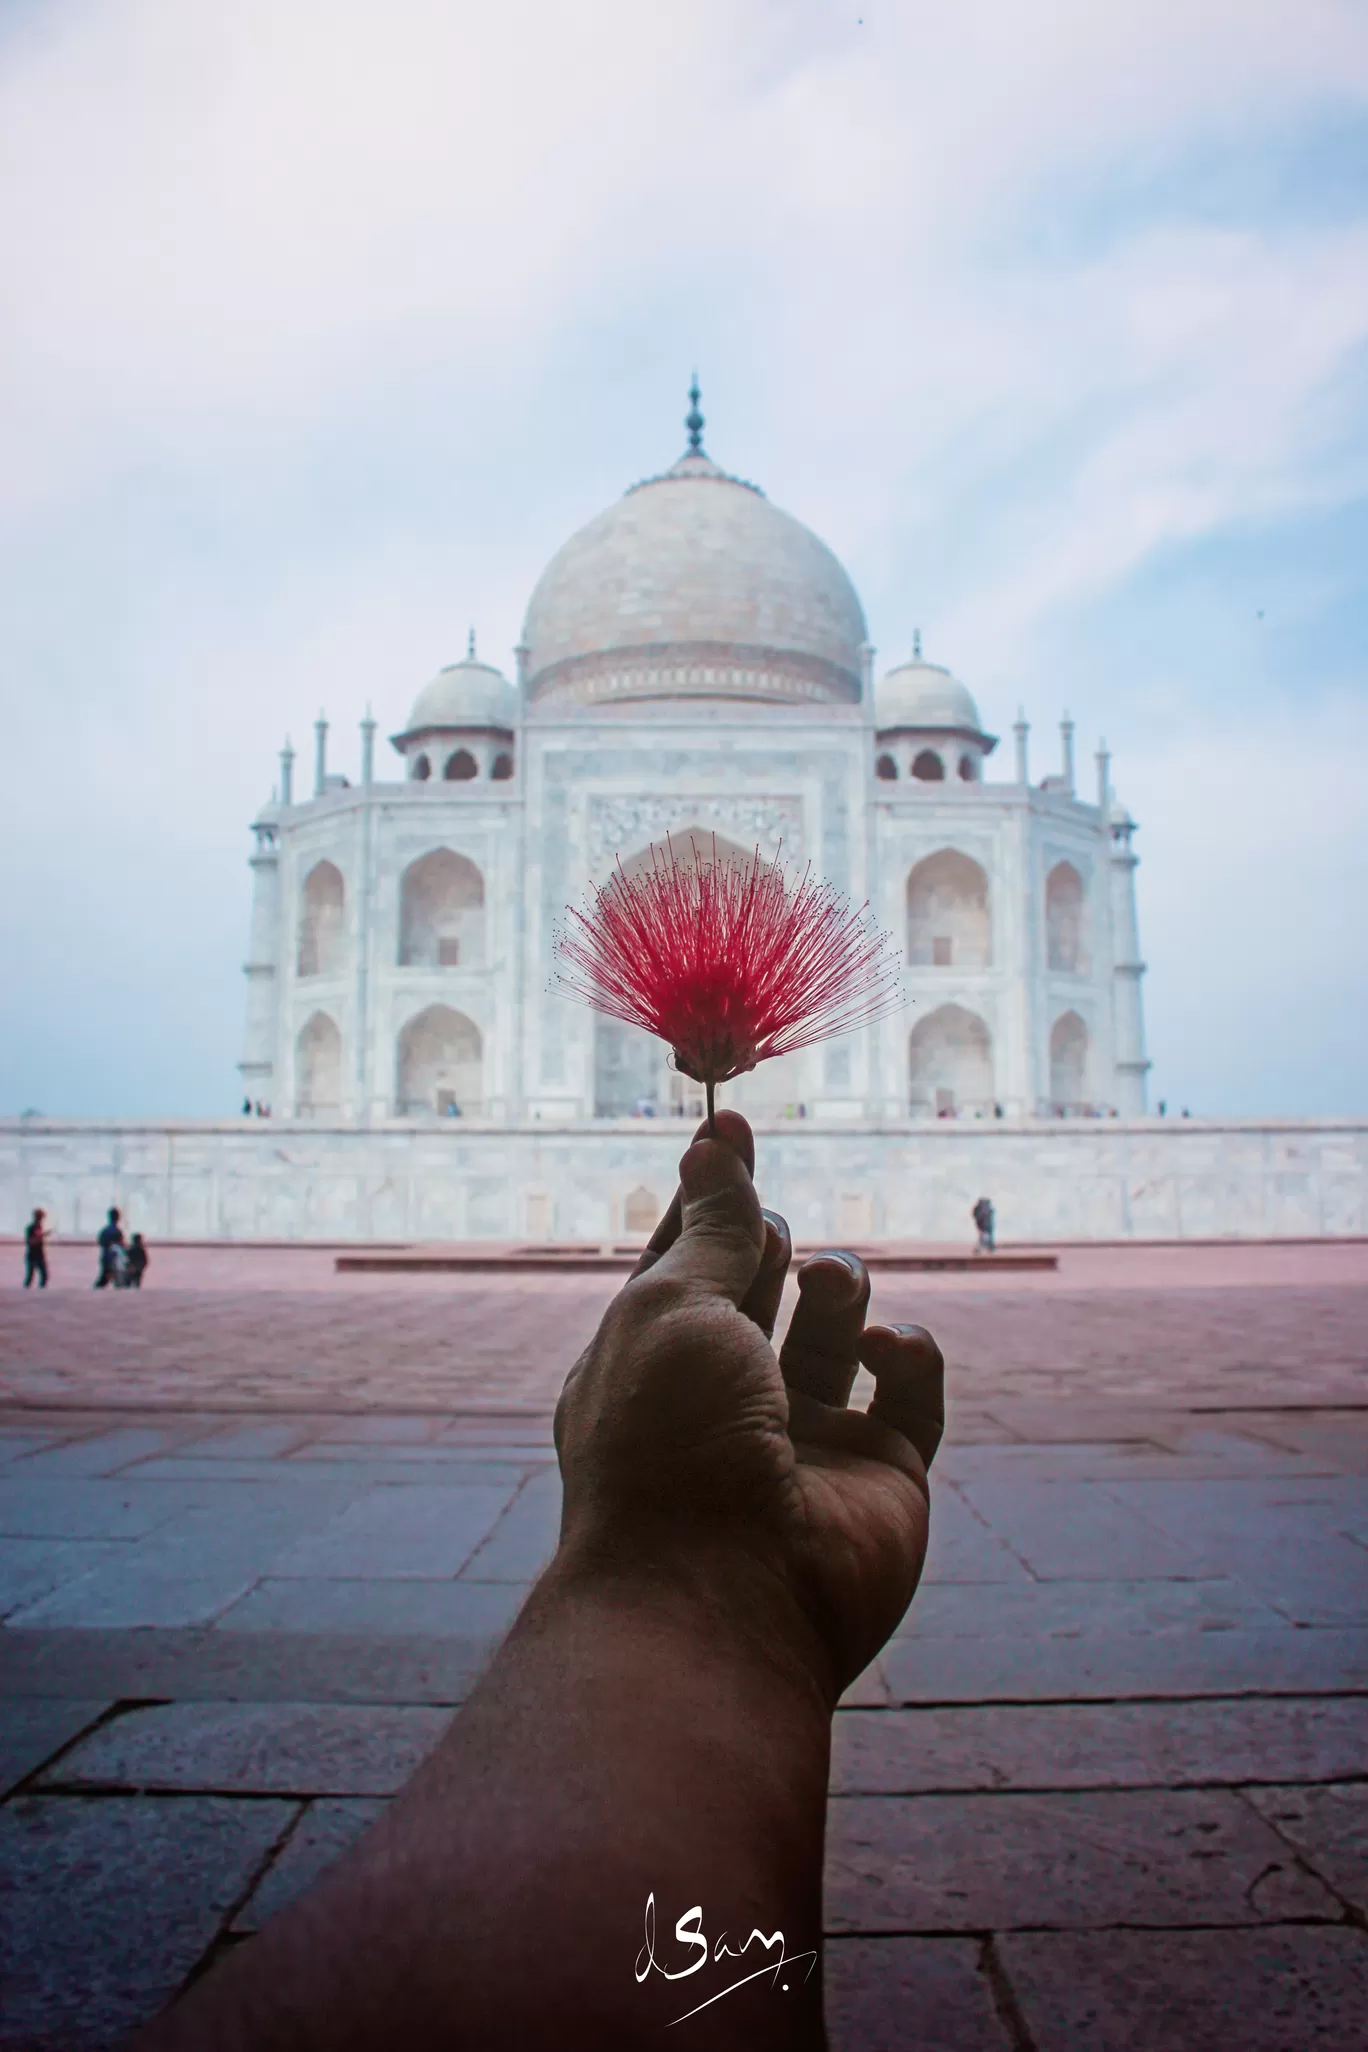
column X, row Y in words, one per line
column 1066, row 1179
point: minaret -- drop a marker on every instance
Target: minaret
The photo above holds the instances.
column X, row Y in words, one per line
column 1021, row 729
column 368, row 750
column 287, row 775
column 257, row 1066
column 1103, row 779
column 1128, row 1016
column 320, row 755
column 1066, row 742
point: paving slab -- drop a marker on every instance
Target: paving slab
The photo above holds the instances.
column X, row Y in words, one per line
column 32, row 1731
column 1329, row 1825
column 964, row 1547
column 400, row 1531
column 404, row 1607
column 889, row 1994
column 203, row 1665
column 1099, row 1745
column 1273, row 1990
column 33, row 1568
column 525, row 1536
column 103, row 1453
column 1283, row 1661
column 34, row 1507
column 106, row 1905
column 327, row 1829
column 1084, row 1531
column 187, row 1570
column 1004, row 1862
column 261, row 1749
column 1085, row 1609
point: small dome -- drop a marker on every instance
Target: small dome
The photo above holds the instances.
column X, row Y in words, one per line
column 693, row 584
column 919, row 694
column 465, row 694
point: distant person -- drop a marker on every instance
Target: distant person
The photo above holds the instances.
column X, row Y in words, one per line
column 135, row 1263
column 110, row 1244
column 246, row 1107
column 984, row 1218
column 998, row 1111
column 1163, row 1107
column 35, row 1250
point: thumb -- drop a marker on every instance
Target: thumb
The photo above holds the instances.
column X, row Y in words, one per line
column 722, row 1237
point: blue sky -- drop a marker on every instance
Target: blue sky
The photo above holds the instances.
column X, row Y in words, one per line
column 326, row 324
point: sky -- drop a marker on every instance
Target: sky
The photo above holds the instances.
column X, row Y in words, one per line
column 325, row 323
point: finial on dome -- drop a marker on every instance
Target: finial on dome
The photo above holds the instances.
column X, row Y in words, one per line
column 470, row 646
column 693, row 419
column 916, row 644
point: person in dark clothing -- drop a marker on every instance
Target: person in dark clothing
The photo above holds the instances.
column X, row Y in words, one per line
column 135, row 1263
column 110, row 1244
column 246, row 1107
column 983, row 1218
column 35, row 1251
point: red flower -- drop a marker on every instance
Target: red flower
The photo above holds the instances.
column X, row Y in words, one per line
column 728, row 963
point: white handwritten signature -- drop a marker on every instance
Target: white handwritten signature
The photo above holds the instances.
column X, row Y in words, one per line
column 689, row 1931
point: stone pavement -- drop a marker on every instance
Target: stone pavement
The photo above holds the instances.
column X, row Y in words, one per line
column 1107, row 1786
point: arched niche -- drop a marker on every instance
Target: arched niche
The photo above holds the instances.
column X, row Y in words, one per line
column 927, row 767
column 322, row 922
column 969, row 769
column 318, row 1068
column 422, row 769
column 632, row 1073
column 950, row 1064
column 501, row 769
column 1066, row 940
column 886, row 769
column 439, row 1066
column 441, row 912
column 460, row 767
column 1069, row 1063
column 640, row 1210
column 948, row 920
column 691, row 847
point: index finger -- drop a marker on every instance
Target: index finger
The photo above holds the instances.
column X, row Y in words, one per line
column 735, row 1133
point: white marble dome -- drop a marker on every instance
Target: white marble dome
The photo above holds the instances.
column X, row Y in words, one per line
column 920, row 694
column 465, row 694
column 693, row 586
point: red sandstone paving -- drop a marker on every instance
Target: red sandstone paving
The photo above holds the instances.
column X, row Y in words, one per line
column 275, row 1328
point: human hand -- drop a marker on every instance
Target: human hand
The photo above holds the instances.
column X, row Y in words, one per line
column 684, row 1440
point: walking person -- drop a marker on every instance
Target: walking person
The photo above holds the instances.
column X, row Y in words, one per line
column 135, row 1263
column 35, row 1250
column 984, row 1218
column 110, row 1244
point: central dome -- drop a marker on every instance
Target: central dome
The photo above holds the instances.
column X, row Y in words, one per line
column 693, row 586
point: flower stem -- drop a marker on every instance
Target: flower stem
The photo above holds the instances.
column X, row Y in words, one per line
column 710, row 1087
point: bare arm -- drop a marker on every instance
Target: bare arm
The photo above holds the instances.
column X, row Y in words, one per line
column 735, row 1546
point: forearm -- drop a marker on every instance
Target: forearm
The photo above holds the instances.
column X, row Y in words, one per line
column 638, row 1736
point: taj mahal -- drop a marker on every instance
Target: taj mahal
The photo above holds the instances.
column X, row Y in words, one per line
column 694, row 663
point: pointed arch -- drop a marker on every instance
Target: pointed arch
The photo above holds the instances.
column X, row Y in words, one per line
column 1069, row 1047
column 439, row 1065
column 948, row 922
column 318, row 1068
column 1066, row 940
column 441, row 912
column 322, row 922
column 950, row 1063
